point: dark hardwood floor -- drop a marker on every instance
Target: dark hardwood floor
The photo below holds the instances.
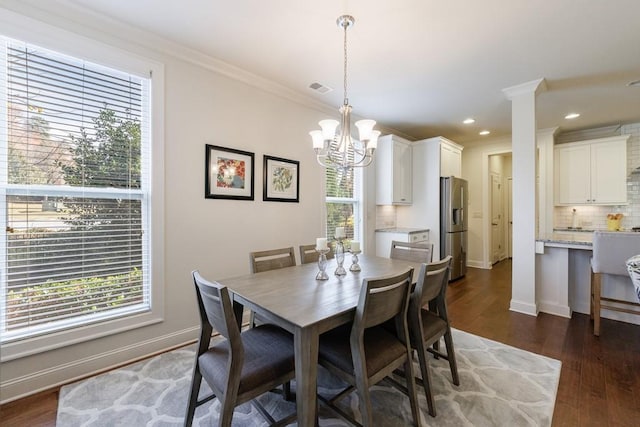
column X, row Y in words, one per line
column 600, row 379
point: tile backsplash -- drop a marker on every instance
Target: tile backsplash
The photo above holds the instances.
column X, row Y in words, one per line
column 595, row 217
column 385, row 216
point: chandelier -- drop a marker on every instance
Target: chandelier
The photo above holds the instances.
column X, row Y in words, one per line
column 338, row 150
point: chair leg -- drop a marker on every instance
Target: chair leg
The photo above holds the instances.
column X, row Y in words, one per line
column 411, row 388
column 193, row 396
column 426, row 379
column 591, row 297
column 286, row 391
column 451, row 355
column 597, row 292
column 362, row 387
column 227, row 405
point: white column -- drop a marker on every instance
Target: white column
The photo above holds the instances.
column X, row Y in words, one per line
column 523, row 123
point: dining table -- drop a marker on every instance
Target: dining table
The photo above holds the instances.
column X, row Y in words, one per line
column 293, row 299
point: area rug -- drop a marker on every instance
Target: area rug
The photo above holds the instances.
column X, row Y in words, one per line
column 499, row 386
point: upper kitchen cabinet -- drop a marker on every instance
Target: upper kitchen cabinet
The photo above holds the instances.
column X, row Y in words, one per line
column 450, row 158
column 591, row 172
column 393, row 171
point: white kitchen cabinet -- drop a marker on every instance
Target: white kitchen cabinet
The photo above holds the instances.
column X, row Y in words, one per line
column 386, row 236
column 393, row 171
column 450, row 159
column 591, row 172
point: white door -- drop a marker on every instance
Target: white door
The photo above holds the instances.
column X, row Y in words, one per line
column 496, row 218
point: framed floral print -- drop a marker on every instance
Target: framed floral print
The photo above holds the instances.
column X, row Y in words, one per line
column 281, row 180
column 229, row 173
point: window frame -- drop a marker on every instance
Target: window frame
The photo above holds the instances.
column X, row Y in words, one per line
column 67, row 43
column 357, row 202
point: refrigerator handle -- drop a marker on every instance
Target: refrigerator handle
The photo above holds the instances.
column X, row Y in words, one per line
column 457, row 216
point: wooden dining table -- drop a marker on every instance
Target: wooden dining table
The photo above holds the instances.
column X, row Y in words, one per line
column 293, row 299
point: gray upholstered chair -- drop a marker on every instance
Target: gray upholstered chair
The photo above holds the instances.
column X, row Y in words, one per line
column 429, row 321
column 364, row 353
column 308, row 254
column 610, row 251
column 244, row 365
column 415, row 252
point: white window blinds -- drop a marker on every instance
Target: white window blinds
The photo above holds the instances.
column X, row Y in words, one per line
column 74, row 183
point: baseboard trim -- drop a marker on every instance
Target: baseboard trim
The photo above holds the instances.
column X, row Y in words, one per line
column 477, row 264
column 555, row 309
column 66, row 373
column 523, row 307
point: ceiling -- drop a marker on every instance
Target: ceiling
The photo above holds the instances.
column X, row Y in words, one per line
column 420, row 66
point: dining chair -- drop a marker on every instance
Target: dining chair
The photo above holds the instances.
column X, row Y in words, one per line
column 429, row 321
column 308, row 254
column 610, row 251
column 242, row 367
column 414, row 252
column 271, row 259
column 364, row 353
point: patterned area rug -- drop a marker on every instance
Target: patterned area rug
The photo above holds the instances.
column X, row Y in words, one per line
column 499, row 386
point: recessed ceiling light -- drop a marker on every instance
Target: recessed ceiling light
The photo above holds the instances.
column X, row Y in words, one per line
column 484, row 132
column 572, row 116
column 469, row 121
column 635, row 83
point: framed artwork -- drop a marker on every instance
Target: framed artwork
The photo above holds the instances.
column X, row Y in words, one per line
column 281, row 180
column 229, row 173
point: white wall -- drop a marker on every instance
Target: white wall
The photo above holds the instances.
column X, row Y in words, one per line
column 214, row 236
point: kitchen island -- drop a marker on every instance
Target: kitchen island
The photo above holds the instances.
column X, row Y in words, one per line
column 563, row 277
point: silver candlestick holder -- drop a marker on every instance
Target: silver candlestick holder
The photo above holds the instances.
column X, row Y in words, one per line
column 322, row 264
column 340, row 271
column 354, row 261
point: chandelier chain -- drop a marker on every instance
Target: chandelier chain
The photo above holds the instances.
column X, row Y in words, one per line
column 346, row 99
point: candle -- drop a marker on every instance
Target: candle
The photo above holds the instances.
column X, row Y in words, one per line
column 355, row 246
column 340, row 232
column 321, row 243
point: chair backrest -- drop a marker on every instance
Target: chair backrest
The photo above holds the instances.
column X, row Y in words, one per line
column 432, row 284
column 308, row 254
column 414, row 252
column 216, row 312
column 612, row 249
column 382, row 299
column 272, row 259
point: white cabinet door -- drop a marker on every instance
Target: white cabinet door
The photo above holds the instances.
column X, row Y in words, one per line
column 394, row 165
column 592, row 172
column 450, row 161
column 402, row 166
column 609, row 173
column 573, row 175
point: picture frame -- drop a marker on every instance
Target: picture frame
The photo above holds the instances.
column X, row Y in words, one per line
column 281, row 180
column 229, row 173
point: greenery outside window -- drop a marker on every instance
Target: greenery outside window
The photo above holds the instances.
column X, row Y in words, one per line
column 75, row 196
column 343, row 202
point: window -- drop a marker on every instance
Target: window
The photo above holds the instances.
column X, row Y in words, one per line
column 343, row 196
column 75, row 186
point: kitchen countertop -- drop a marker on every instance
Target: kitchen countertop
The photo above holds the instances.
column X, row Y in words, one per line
column 407, row 230
column 572, row 240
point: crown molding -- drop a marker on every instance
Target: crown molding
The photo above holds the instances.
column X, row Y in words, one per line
column 72, row 17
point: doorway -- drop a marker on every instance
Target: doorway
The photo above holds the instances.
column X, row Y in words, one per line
column 500, row 207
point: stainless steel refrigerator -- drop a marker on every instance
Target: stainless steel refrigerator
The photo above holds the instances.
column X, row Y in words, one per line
column 453, row 223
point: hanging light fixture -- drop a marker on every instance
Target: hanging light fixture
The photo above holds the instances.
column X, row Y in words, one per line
column 338, row 150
